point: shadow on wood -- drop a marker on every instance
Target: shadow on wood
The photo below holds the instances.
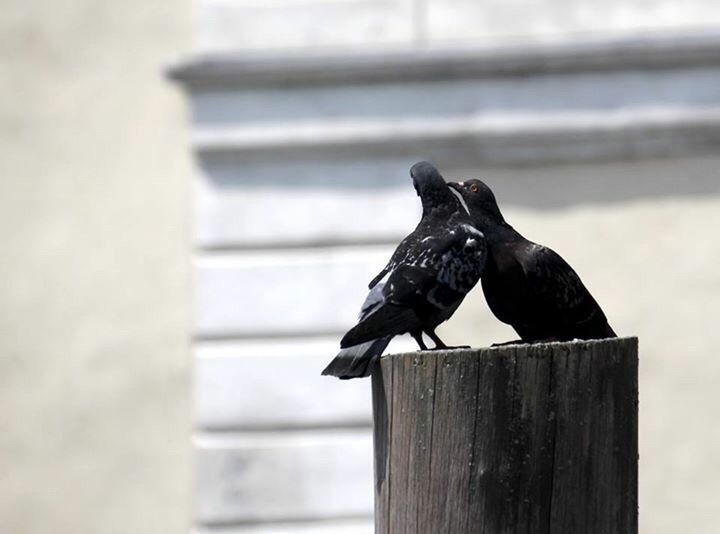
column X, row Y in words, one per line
column 524, row 439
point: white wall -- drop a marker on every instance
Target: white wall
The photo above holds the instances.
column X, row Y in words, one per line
column 94, row 379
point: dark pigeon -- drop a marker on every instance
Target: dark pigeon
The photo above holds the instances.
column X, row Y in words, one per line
column 529, row 286
column 424, row 282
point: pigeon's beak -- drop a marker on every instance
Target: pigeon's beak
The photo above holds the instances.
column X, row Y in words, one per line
column 457, row 186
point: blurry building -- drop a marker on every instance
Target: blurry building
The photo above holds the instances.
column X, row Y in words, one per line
column 597, row 126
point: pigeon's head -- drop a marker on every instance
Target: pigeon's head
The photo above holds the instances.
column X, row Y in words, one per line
column 425, row 177
column 479, row 199
column 430, row 185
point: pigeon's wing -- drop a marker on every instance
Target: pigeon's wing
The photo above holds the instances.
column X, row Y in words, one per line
column 447, row 266
column 558, row 296
column 462, row 259
column 357, row 361
column 393, row 319
column 388, row 320
column 400, row 256
column 433, row 277
column 374, row 300
column 382, row 274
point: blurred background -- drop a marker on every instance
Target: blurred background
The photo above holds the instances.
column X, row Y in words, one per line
column 182, row 256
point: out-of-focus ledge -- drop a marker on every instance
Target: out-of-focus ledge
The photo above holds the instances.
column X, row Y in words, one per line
column 307, row 68
column 505, row 140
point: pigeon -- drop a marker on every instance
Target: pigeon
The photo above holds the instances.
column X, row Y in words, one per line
column 424, row 282
column 529, row 286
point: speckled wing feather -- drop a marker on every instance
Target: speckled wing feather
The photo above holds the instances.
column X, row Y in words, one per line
column 400, row 256
column 432, row 273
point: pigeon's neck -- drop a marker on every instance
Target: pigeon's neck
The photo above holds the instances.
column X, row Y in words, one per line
column 438, row 202
column 435, row 212
column 497, row 232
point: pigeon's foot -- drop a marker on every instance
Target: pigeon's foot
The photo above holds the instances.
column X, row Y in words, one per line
column 439, row 345
column 438, row 342
column 417, row 336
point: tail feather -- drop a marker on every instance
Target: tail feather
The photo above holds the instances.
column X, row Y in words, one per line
column 357, row 361
column 609, row 332
column 388, row 320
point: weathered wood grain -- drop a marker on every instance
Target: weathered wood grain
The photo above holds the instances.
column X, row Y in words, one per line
column 452, row 439
column 382, row 401
column 528, row 439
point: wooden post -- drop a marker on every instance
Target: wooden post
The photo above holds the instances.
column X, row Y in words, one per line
column 518, row 439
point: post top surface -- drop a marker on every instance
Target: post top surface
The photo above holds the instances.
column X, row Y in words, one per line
column 630, row 342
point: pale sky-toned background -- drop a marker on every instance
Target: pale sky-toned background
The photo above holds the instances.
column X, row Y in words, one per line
column 96, row 324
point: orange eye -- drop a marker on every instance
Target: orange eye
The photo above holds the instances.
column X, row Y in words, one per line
column 474, row 188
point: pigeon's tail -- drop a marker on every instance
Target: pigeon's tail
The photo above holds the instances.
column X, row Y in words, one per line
column 609, row 332
column 388, row 320
column 357, row 361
